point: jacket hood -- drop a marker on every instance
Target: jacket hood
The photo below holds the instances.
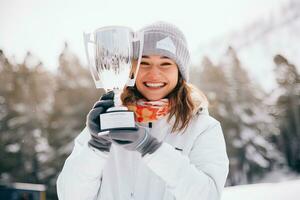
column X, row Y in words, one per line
column 199, row 99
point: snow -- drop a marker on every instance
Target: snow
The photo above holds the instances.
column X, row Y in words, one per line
column 264, row 191
column 255, row 156
column 17, row 121
column 13, row 148
column 279, row 174
column 278, row 184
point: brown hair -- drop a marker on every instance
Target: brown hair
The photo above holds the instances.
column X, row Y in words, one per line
column 181, row 103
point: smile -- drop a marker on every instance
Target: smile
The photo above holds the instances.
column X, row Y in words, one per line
column 154, row 85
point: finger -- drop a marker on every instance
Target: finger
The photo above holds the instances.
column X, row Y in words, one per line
column 116, row 137
column 100, row 139
column 108, row 96
column 103, row 146
column 122, row 142
column 93, row 120
column 103, row 133
column 104, row 103
column 94, row 114
column 124, row 136
column 94, row 128
column 94, row 135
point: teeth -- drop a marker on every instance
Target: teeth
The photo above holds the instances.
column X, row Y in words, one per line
column 154, row 84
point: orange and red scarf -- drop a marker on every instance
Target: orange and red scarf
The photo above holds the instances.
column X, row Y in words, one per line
column 150, row 111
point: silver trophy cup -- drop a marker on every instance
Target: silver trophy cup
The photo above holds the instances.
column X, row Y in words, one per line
column 110, row 52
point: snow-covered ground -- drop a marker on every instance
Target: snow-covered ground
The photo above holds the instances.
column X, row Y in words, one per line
column 288, row 190
column 279, row 184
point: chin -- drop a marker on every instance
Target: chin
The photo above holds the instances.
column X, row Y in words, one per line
column 154, row 98
column 153, row 95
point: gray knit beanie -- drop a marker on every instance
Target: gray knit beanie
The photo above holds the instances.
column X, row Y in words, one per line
column 166, row 39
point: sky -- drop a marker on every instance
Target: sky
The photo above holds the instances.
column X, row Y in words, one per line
column 42, row 27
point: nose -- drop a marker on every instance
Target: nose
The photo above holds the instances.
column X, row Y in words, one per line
column 154, row 70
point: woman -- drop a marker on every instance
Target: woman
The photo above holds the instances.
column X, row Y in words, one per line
column 178, row 150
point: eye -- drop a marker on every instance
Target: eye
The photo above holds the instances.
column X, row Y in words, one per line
column 145, row 64
column 166, row 64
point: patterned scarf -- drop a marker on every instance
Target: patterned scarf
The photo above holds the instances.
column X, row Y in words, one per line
column 150, row 111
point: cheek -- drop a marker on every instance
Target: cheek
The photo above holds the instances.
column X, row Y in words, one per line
column 139, row 81
column 173, row 83
column 174, row 78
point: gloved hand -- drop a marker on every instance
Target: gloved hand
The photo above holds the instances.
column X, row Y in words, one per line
column 101, row 142
column 135, row 140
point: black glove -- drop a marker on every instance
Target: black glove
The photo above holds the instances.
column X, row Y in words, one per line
column 99, row 141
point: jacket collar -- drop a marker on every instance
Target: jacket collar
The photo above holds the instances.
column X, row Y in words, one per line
column 199, row 99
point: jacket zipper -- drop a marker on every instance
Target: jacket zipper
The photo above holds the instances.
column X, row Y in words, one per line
column 135, row 170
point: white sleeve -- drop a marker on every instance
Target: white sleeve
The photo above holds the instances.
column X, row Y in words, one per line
column 80, row 177
column 202, row 174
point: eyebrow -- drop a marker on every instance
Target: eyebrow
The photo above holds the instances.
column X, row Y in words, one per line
column 162, row 57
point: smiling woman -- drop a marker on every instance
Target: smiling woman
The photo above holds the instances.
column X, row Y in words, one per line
column 157, row 77
column 177, row 150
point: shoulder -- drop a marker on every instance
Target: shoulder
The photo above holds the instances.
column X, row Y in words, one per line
column 199, row 99
column 201, row 128
column 203, row 121
column 201, row 114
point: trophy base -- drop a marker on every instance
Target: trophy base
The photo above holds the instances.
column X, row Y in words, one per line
column 117, row 108
column 116, row 119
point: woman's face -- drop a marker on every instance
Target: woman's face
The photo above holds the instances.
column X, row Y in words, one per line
column 157, row 77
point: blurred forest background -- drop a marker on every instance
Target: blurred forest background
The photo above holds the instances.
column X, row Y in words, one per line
column 42, row 111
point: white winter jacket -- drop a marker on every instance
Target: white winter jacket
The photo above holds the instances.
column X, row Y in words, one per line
column 188, row 166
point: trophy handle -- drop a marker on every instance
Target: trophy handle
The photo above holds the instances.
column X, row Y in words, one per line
column 87, row 40
column 137, row 37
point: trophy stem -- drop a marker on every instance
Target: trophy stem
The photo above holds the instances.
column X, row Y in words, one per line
column 118, row 103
